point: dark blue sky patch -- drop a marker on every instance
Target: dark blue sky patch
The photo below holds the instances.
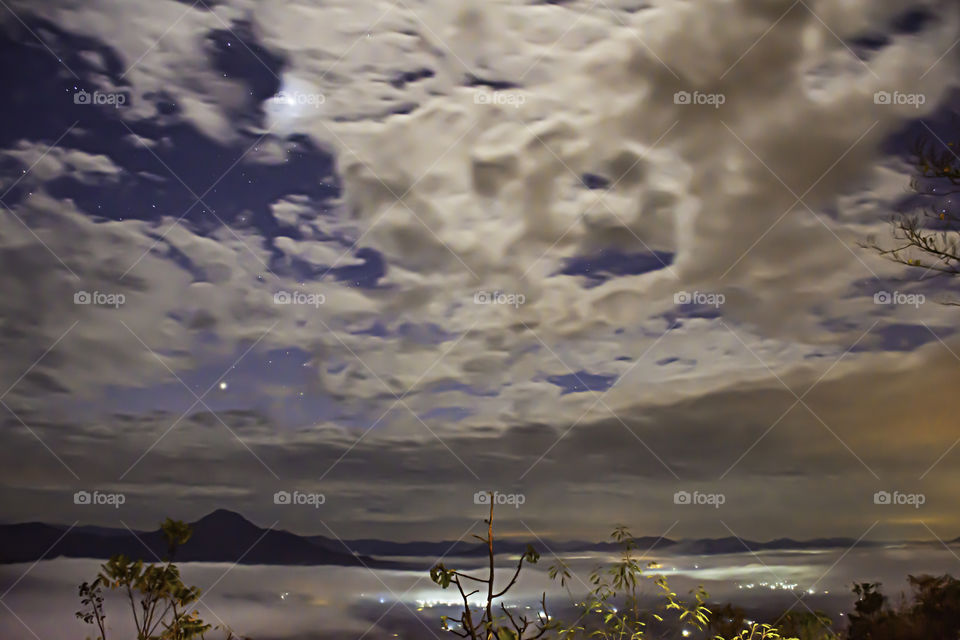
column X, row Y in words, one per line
column 177, row 257
column 163, row 102
column 910, row 22
column 12, row 169
column 611, row 263
column 377, row 329
column 679, row 312
column 426, row 334
column 842, row 324
column 336, row 368
column 365, row 275
column 582, row 381
column 943, row 121
column 594, row 181
column 401, row 80
column 41, row 109
column 190, row 165
column 686, row 362
column 236, row 53
column 864, row 46
column 444, row 386
column 492, row 83
column 243, row 193
column 901, row 337
column 403, row 109
column 935, row 287
column 936, row 196
column 202, row 5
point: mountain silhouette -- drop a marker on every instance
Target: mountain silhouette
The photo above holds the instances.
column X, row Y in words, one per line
column 226, row 536
column 221, row 536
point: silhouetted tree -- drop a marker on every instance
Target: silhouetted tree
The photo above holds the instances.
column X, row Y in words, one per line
column 727, row 620
column 806, row 625
column 929, row 240
column 933, row 611
column 160, row 603
column 486, row 622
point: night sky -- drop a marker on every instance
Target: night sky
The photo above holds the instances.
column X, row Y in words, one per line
column 399, row 253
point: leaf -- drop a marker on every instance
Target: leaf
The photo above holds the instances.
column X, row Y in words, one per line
column 531, row 555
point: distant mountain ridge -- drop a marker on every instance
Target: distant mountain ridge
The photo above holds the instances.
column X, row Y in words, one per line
column 703, row 546
column 221, row 536
column 225, row 536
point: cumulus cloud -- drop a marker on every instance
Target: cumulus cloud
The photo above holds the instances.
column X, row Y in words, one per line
column 740, row 141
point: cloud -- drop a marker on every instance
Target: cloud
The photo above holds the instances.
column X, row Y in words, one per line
column 749, row 162
column 42, row 164
column 858, row 432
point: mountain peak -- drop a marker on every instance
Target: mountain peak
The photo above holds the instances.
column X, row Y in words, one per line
column 224, row 518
